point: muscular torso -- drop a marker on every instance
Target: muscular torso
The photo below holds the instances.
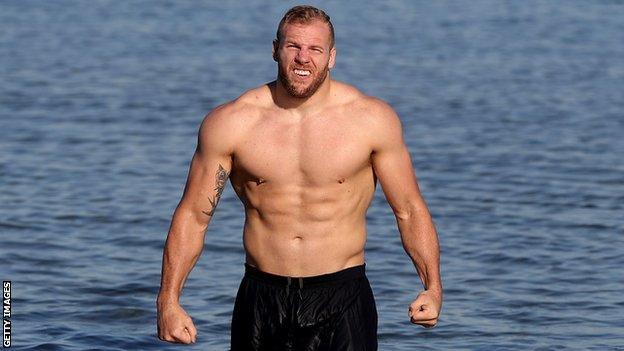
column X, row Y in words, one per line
column 306, row 182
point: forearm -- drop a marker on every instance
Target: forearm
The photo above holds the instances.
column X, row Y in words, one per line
column 183, row 247
column 420, row 242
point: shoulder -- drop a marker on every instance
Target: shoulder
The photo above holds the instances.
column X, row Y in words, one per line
column 370, row 107
column 369, row 110
column 227, row 123
column 378, row 111
column 385, row 126
column 376, row 118
column 245, row 107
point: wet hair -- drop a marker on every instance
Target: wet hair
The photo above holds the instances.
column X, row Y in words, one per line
column 304, row 14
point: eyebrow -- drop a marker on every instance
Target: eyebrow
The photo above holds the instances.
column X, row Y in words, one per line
column 311, row 46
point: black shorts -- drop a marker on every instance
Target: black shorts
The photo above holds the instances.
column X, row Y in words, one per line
column 334, row 311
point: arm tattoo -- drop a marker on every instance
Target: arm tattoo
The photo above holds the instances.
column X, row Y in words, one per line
column 220, row 178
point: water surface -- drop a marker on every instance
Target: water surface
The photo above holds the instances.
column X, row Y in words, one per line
column 512, row 111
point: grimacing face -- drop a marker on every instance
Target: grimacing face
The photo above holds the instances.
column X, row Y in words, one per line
column 304, row 57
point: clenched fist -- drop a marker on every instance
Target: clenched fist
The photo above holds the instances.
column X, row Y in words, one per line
column 426, row 309
column 175, row 325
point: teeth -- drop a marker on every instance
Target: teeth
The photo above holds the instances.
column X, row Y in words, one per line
column 302, row 72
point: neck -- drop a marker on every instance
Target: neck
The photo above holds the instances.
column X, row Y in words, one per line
column 283, row 99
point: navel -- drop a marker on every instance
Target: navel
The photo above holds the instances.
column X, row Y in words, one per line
column 341, row 180
column 260, row 181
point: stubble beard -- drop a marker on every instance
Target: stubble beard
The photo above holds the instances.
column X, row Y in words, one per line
column 297, row 91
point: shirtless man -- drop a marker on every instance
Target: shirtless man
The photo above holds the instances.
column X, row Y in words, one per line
column 303, row 154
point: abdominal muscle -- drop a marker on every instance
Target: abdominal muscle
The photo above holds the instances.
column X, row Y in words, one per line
column 295, row 232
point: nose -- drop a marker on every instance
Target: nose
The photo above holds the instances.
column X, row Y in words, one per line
column 303, row 56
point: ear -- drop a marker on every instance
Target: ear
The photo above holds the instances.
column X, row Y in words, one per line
column 275, row 49
column 332, row 58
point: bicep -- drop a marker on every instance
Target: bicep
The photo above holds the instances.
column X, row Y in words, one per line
column 206, row 180
column 393, row 167
column 208, row 173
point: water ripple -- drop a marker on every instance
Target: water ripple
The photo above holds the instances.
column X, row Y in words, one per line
column 512, row 113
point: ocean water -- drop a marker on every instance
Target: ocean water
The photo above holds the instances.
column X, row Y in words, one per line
column 513, row 112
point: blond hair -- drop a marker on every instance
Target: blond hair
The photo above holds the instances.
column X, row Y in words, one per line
column 304, row 14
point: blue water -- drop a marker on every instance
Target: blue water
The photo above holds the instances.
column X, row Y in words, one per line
column 513, row 112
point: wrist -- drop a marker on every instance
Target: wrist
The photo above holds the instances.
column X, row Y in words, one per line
column 166, row 299
column 435, row 289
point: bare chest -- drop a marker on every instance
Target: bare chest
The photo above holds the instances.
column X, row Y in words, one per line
column 310, row 151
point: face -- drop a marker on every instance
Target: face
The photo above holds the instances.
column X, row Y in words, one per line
column 304, row 57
